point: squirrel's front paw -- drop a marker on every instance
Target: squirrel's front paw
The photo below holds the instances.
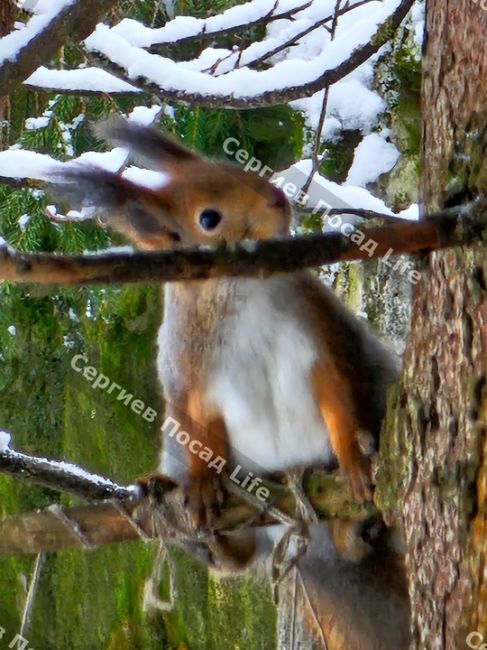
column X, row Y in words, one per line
column 358, row 470
column 155, row 486
column 204, row 496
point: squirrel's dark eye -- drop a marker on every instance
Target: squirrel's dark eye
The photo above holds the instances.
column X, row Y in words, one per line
column 209, row 219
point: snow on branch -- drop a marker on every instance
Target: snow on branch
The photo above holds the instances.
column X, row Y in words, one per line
column 244, row 88
column 59, row 475
column 220, row 77
column 186, row 28
column 86, row 81
column 260, row 51
column 23, row 168
column 55, row 23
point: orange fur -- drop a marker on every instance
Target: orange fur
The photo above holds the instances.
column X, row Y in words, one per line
column 208, row 324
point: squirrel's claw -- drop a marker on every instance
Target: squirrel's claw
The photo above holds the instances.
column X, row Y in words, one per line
column 204, row 496
column 359, row 473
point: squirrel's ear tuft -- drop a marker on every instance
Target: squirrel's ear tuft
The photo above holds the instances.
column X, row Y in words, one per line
column 93, row 186
column 149, row 144
column 144, row 215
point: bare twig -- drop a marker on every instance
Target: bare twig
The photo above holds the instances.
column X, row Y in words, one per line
column 315, row 162
column 44, row 531
column 261, row 258
column 29, row 601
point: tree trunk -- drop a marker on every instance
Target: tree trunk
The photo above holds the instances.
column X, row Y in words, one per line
column 435, row 443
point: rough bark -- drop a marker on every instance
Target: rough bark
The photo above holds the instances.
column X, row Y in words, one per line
column 435, row 437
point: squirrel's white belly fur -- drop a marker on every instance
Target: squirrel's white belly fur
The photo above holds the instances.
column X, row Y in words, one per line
column 262, row 386
column 259, row 377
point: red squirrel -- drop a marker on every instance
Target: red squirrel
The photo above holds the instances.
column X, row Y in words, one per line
column 268, row 374
column 276, row 370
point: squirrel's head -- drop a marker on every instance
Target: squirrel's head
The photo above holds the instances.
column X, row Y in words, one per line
column 199, row 201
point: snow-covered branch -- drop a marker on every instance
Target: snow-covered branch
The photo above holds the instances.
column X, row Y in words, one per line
column 287, row 80
column 224, row 78
column 183, row 29
column 261, row 51
column 23, row 168
column 55, row 23
column 58, row 475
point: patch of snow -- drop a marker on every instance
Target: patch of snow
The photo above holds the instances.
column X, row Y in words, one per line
column 68, row 342
column 169, row 111
column 74, row 470
column 5, row 439
column 86, row 212
column 23, row 221
column 330, row 193
column 34, row 123
column 411, row 213
column 373, row 156
column 342, row 113
column 89, row 79
column 417, row 17
column 144, row 115
column 112, row 249
column 12, row 330
column 146, row 177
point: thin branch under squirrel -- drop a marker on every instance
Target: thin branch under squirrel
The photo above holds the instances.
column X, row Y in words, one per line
column 128, row 514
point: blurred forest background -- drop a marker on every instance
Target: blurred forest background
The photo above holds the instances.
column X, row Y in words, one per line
column 94, row 599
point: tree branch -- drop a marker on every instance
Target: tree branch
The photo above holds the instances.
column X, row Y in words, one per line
column 29, row 183
column 84, row 92
column 271, row 97
column 61, row 476
column 261, row 58
column 261, row 258
column 73, row 22
column 205, row 32
column 130, row 516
